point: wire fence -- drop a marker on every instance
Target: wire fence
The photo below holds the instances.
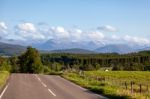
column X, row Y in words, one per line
column 129, row 85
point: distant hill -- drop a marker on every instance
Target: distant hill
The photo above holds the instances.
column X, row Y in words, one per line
column 14, row 49
column 115, row 48
column 48, row 45
column 54, row 45
column 144, row 49
column 73, row 50
column 10, row 49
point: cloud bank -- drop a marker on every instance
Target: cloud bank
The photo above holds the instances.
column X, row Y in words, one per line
column 35, row 33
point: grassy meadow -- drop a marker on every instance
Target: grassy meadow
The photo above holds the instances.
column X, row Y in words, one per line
column 114, row 84
column 3, row 78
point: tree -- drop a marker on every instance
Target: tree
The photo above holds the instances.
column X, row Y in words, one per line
column 5, row 66
column 30, row 61
column 118, row 67
column 14, row 65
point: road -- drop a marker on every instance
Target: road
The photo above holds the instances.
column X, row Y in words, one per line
column 33, row 86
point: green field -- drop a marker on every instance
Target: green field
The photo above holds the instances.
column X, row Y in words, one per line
column 114, row 84
column 3, row 77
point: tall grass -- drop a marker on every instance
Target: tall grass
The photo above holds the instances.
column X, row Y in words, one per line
column 113, row 86
column 136, row 76
column 3, row 78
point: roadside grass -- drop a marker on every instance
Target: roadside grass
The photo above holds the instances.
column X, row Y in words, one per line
column 54, row 73
column 128, row 76
column 3, row 78
column 112, row 87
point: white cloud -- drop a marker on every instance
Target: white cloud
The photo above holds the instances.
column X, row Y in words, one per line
column 95, row 36
column 30, row 36
column 75, row 35
column 3, row 29
column 3, row 25
column 28, row 31
column 78, row 31
column 107, row 28
column 115, row 37
column 26, row 27
column 60, row 29
column 59, row 32
column 137, row 40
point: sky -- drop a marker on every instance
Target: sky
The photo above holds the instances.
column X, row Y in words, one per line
column 106, row 21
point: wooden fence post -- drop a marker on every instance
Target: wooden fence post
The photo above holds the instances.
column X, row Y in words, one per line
column 97, row 79
column 126, row 86
column 131, row 87
column 87, row 79
column 147, row 89
column 140, row 88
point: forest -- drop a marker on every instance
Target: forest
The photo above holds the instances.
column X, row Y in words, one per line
column 129, row 62
column 33, row 62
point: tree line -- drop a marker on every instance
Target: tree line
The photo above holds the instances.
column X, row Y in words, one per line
column 33, row 62
column 130, row 62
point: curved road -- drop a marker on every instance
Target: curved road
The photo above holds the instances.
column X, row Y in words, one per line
column 33, row 86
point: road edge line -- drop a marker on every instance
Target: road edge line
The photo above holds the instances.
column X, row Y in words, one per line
column 1, row 95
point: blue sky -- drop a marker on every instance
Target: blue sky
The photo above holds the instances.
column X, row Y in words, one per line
column 128, row 17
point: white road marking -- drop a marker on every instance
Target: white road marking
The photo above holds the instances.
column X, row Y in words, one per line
column 44, row 84
column 4, row 91
column 37, row 77
column 51, row 92
column 41, row 81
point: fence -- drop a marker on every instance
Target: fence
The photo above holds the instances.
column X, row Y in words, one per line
column 131, row 86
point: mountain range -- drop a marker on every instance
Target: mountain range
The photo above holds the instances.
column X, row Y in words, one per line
column 119, row 48
column 53, row 47
column 74, row 50
column 11, row 49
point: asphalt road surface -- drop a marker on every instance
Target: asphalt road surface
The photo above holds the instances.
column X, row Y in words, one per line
column 33, row 86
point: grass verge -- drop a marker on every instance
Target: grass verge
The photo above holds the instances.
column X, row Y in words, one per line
column 105, row 88
column 3, row 78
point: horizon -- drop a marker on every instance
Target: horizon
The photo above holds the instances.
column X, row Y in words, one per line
column 31, row 22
